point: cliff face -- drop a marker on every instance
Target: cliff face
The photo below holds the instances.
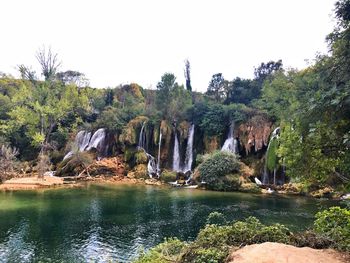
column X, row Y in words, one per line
column 254, row 134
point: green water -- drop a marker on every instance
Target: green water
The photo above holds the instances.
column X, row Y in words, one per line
column 102, row 223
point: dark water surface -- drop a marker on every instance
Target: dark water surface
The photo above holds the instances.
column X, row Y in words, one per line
column 104, row 223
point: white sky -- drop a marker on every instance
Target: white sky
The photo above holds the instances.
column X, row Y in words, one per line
column 116, row 42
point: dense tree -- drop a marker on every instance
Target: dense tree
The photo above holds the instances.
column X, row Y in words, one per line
column 71, row 77
column 216, row 88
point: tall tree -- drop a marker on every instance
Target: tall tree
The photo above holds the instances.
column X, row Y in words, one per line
column 187, row 73
column 216, row 88
column 266, row 69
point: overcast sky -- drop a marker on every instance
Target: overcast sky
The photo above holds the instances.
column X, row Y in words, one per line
column 116, row 42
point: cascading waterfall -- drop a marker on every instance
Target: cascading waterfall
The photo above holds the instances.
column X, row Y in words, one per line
column 142, row 144
column 97, row 140
column 231, row 143
column 176, row 155
column 274, row 135
column 151, row 166
column 142, row 138
column 85, row 142
column 189, row 150
column 81, row 142
column 159, row 147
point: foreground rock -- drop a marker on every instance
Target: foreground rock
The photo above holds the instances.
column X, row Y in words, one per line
column 280, row 253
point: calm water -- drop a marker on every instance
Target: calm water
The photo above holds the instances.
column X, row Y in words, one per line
column 102, row 223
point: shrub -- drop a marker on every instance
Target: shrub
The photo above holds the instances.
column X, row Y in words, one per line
column 141, row 157
column 7, row 161
column 214, row 169
column 168, row 251
column 168, row 176
column 310, row 239
column 334, row 224
column 216, row 218
column 206, row 255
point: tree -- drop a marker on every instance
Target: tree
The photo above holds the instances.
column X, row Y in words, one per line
column 70, row 77
column 27, row 73
column 164, row 89
column 49, row 63
column 265, row 70
column 187, row 73
column 216, row 88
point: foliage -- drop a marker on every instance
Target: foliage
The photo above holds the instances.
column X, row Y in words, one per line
column 216, row 218
column 215, row 240
column 216, row 88
column 215, row 168
column 168, row 176
column 7, row 160
column 213, row 120
column 334, row 224
column 168, row 251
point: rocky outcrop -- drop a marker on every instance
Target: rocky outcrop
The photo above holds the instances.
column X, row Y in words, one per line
column 108, row 166
column 254, row 134
column 129, row 135
column 138, row 172
column 281, row 253
column 211, row 144
column 165, row 150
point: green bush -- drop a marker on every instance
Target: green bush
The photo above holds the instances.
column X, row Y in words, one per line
column 205, row 255
column 168, row 176
column 216, row 218
column 141, row 157
column 334, row 224
column 217, row 170
column 168, row 251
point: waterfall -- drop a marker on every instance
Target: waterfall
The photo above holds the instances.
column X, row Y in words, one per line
column 176, row 155
column 274, row 135
column 160, row 145
column 189, row 150
column 81, row 141
column 231, row 144
column 142, row 137
column 151, row 166
column 97, row 140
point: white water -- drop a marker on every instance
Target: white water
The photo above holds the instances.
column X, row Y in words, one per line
column 81, row 141
column 189, row 150
column 176, row 155
column 159, row 147
column 142, row 138
column 231, row 144
column 151, row 166
column 97, row 140
column 265, row 179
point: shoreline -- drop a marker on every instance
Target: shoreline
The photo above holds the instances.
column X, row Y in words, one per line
column 53, row 182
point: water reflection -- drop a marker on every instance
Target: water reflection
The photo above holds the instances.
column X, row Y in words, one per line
column 106, row 223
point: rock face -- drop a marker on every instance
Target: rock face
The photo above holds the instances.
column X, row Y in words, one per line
column 130, row 133
column 108, row 166
column 280, row 253
column 254, row 134
column 211, row 144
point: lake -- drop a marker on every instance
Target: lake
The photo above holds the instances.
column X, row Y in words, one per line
column 102, row 223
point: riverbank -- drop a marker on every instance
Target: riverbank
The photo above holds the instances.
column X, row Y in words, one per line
column 34, row 183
